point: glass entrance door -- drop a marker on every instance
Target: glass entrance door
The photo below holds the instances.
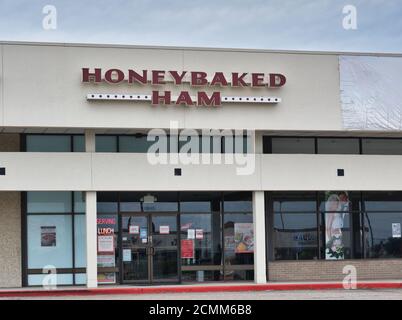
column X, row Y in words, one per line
column 149, row 248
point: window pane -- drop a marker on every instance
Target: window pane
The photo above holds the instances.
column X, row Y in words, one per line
column 79, row 143
column 148, row 201
column 48, row 143
column 382, row 234
column 49, row 201
column 80, row 278
column 49, row 241
column 293, row 145
column 80, row 241
column 238, row 202
column 239, row 238
column 107, row 202
column 200, row 201
column 38, row 279
column 79, row 201
column 239, row 275
column 382, row 201
column 294, row 201
column 382, row 146
column 106, row 143
column 201, row 276
column 134, row 144
column 207, row 242
column 295, row 236
column 160, row 201
column 338, row 146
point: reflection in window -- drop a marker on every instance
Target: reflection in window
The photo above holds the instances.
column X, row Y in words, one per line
column 382, row 146
column 55, row 143
column 338, row 146
column 204, row 230
column 293, row 145
column 382, row 234
column 295, row 236
column 295, row 201
column 239, row 238
column 49, row 202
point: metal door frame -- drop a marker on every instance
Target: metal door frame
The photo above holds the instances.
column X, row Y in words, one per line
column 149, row 246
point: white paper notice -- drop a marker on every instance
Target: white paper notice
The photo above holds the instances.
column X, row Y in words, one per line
column 127, row 255
column 105, row 244
column 164, row 229
column 396, row 230
column 199, row 234
column 191, row 234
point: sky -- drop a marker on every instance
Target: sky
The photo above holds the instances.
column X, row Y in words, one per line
column 260, row 24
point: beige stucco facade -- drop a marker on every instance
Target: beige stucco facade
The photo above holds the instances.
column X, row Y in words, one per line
column 41, row 92
column 10, row 226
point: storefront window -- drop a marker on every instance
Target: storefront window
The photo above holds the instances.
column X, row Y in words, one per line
column 80, row 241
column 336, row 222
column 107, row 248
column 295, row 236
column 204, row 230
column 55, row 235
column 383, row 234
column 239, row 238
column 352, row 225
column 49, row 241
column 238, row 235
column 107, row 202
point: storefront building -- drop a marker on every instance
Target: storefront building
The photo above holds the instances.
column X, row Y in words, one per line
column 269, row 165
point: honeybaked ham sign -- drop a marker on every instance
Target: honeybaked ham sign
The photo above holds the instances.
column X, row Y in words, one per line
column 207, row 86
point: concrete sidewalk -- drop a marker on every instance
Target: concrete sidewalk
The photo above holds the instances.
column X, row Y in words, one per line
column 196, row 288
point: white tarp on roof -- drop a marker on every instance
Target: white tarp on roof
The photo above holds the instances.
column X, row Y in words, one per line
column 371, row 92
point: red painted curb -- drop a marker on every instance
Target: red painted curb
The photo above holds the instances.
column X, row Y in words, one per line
column 184, row 289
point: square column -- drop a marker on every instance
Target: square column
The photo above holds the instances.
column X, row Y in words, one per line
column 91, row 237
column 91, row 229
column 260, row 262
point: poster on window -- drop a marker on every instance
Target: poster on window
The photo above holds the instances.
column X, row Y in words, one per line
column 107, row 278
column 244, row 237
column 106, row 244
column 48, row 236
column 396, row 230
column 187, row 249
column 106, row 261
column 336, row 211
